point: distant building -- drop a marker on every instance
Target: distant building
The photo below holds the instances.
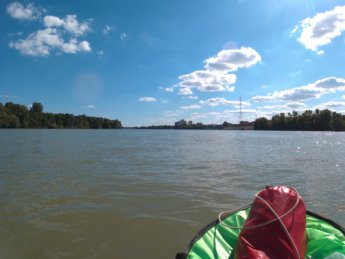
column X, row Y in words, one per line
column 181, row 123
column 190, row 123
column 246, row 123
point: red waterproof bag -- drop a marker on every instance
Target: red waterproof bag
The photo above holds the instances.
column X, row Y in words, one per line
column 275, row 227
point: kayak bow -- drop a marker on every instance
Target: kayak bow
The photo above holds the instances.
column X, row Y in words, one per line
column 325, row 238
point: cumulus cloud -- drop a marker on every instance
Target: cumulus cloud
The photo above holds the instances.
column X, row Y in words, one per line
column 169, row 89
column 292, row 105
column 331, row 105
column 307, row 92
column 216, row 76
column 42, row 42
column 185, row 91
column 52, row 21
column 53, row 37
column 84, row 46
column 18, row 11
column 233, row 59
column 69, row 23
column 207, row 81
column 222, row 101
column 147, row 99
column 321, row 29
column 191, row 107
column 74, row 47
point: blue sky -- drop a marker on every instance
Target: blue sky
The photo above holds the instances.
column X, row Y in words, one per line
column 156, row 62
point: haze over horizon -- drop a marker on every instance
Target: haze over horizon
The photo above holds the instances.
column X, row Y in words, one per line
column 156, row 62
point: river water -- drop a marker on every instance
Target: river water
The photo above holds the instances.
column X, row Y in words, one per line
column 145, row 193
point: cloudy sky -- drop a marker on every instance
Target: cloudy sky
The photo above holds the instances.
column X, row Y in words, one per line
column 155, row 62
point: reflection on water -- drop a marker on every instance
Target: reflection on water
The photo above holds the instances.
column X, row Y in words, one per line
column 145, row 193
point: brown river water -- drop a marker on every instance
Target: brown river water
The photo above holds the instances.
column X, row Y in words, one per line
column 145, row 193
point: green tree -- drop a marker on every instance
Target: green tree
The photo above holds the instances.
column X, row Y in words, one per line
column 20, row 111
column 9, row 120
column 337, row 122
column 36, row 107
column 278, row 122
column 325, row 119
column 261, row 124
column 16, row 115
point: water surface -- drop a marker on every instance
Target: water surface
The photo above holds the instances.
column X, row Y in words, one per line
column 145, row 193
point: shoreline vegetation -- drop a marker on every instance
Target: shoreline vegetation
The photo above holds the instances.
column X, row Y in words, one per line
column 319, row 120
column 182, row 124
column 19, row 116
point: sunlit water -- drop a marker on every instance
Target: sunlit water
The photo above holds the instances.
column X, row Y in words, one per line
column 145, row 193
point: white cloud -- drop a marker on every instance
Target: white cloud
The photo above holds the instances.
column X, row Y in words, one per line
column 222, row 101
column 123, row 36
column 227, row 115
column 18, row 11
column 216, row 77
column 234, row 116
column 244, row 111
column 295, row 105
column 52, row 21
column 90, row 106
column 303, row 93
column 73, row 46
column 233, row 59
column 8, row 97
column 69, row 23
column 321, row 29
column 42, row 42
column 191, row 97
column 331, row 105
column 107, row 29
column 147, row 99
column 173, row 114
column 191, row 107
column 292, row 105
column 207, row 81
column 52, row 38
column 84, row 46
column 169, row 89
column 185, row 91
column 198, row 115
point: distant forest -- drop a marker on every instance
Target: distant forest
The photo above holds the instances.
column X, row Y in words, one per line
column 319, row 120
column 19, row 116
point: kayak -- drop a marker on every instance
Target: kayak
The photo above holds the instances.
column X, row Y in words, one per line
column 324, row 237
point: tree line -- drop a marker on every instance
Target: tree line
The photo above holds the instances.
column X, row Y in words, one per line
column 318, row 120
column 19, row 116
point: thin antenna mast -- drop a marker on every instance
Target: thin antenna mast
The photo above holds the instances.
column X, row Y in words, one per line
column 240, row 109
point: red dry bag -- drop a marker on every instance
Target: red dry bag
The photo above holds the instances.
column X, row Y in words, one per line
column 275, row 227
